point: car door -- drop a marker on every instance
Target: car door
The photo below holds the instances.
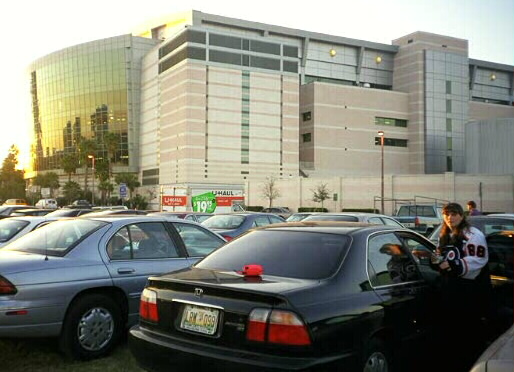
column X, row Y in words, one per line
column 396, row 278
column 139, row 250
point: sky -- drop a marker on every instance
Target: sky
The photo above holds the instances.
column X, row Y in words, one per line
column 31, row 29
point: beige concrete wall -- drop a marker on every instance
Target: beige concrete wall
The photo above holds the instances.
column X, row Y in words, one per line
column 485, row 111
column 200, row 125
column 359, row 192
column 343, row 130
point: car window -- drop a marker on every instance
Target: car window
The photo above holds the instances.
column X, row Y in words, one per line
column 224, row 222
column 10, row 227
column 323, row 217
column 501, row 261
column 118, row 247
column 202, row 217
column 292, row 254
column 375, row 220
column 190, row 217
column 57, row 238
column 388, row 262
column 261, row 221
column 151, row 240
column 391, row 222
column 275, row 219
column 199, row 242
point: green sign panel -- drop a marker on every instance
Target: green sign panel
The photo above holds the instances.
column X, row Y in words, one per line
column 204, row 202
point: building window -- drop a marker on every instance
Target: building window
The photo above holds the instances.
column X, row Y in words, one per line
column 306, row 116
column 449, row 164
column 395, row 142
column 449, row 143
column 448, row 87
column 390, row 121
column 448, row 105
column 306, row 137
column 448, row 124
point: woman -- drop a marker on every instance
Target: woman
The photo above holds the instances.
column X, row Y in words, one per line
column 465, row 284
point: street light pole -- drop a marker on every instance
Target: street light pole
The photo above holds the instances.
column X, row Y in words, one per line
column 92, row 157
column 381, row 134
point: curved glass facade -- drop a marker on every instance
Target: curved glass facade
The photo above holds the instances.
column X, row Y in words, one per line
column 83, row 92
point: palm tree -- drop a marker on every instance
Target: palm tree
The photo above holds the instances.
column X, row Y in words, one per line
column 69, row 164
column 86, row 147
column 111, row 143
column 129, row 179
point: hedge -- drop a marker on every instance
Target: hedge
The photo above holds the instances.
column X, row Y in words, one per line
column 312, row 209
column 363, row 210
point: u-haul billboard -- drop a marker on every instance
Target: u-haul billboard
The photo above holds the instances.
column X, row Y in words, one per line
column 209, row 200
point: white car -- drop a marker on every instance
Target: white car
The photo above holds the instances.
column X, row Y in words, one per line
column 15, row 227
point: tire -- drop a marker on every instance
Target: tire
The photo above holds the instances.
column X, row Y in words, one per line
column 91, row 328
column 376, row 357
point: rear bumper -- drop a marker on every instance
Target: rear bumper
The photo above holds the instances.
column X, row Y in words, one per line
column 158, row 353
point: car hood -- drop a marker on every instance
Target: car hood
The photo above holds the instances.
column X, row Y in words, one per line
column 236, row 281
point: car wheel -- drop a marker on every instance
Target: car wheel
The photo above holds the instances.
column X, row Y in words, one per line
column 376, row 357
column 92, row 327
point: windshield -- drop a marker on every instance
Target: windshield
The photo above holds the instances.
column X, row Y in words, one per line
column 10, row 227
column 57, row 238
column 224, row 222
column 292, row 254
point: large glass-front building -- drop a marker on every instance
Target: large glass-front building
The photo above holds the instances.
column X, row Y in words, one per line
column 80, row 94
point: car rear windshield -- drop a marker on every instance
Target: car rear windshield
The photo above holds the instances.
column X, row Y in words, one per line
column 224, row 222
column 57, row 238
column 322, row 217
column 292, row 254
column 10, row 227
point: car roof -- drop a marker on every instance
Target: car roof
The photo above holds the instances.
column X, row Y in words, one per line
column 335, row 227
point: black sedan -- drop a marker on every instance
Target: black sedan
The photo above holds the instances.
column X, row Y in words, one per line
column 329, row 296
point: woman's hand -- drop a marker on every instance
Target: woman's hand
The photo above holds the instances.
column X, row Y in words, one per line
column 444, row 265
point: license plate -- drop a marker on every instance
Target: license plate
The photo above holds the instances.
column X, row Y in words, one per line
column 200, row 319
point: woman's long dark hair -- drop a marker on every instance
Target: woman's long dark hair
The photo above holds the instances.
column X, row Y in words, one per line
column 446, row 237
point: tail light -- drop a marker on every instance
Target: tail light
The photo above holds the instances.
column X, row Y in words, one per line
column 148, row 306
column 277, row 327
column 6, row 287
column 227, row 238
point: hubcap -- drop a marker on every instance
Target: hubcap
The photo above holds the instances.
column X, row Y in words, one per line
column 376, row 362
column 95, row 329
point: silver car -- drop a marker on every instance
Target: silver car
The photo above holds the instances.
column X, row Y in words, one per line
column 373, row 218
column 81, row 279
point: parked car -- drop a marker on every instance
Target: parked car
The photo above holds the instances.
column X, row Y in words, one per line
column 8, row 210
column 295, row 296
column 69, row 212
column 15, row 227
column 295, row 217
column 116, row 212
column 31, row 212
column 80, row 279
column 283, row 212
column 487, row 224
column 499, row 356
column 376, row 219
column 80, row 204
column 15, row 202
column 47, row 203
column 231, row 225
column 191, row 216
column 421, row 218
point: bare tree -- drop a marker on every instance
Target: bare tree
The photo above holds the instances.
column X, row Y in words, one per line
column 320, row 193
column 270, row 190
